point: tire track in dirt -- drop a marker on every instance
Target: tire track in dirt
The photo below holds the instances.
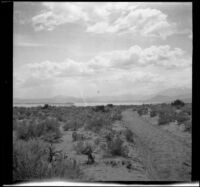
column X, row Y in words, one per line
column 165, row 157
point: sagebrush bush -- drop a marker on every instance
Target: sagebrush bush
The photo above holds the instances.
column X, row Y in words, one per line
column 61, row 117
column 46, row 106
column 142, row 111
column 115, row 147
column 167, row 114
column 163, row 108
column 99, row 108
column 97, row 122
column 47, row 129
column 66, row 169
column 153, row 113
column 52, row 137
column 129, row 135
column 30, row 162
column 181, row 117
column 164, row 118
column 15, row 124
column 73, row 124
column 81, row 146
column 109, row 136
column 77, row 137
column 188, row 126
column 187, row 109
column 116, row 115
column 22, row 131
column 110, row 105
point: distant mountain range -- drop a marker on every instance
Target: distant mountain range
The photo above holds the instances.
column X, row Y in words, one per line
column 167, row 99
column 168, row 95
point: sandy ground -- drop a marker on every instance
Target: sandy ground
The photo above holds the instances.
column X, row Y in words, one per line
column 167, row 156
column 106, row 168
column 171, row 128
column 156, row 154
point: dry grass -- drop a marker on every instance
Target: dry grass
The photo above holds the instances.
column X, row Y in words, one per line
column 31, row 162
column 47, row 129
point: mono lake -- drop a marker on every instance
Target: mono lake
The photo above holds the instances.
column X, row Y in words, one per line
column 75, row 104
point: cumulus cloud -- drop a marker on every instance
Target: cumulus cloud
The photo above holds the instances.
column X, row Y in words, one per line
column 146, row 21
column 115, row 71
column 57, row 14
column 161, row 56
column 47, row 71
column 99, row 18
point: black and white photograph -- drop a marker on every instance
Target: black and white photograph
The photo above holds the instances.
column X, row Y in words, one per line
column 102, row 91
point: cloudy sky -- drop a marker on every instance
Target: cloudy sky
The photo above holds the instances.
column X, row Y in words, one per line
column 88, row 49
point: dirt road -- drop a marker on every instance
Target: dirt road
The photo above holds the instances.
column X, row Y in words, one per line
column 165, row 157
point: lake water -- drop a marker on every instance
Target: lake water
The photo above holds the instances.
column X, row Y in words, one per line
column 75, row 104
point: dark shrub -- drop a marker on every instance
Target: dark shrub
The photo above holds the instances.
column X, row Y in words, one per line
column 142, row 111
column 153, row 114
column 88, row 150
column 115, row 147
column 109, row 136
column 129, row 135
column 110, row 105
column 99, row 108
column 46, row 106
column 178, row 103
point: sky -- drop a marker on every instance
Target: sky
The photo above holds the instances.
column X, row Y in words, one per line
column 87, row 49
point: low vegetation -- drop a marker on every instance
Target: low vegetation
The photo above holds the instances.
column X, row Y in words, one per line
column 177, row 111
column 47, row 129
column 129, row 135
column 115, row 147
column 73, row 124
column 188, row 126
column 142, row 110
column 31, row 162
column 77, row 137
column 97, row 122
column 153, row 114
column 37, row 129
